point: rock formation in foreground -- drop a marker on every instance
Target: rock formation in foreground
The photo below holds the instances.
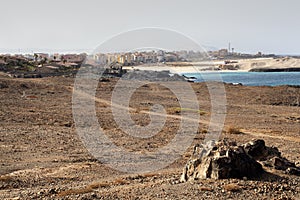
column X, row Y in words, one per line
column 226, row 159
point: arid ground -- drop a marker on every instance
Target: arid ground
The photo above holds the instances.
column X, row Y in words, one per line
column 42, row 156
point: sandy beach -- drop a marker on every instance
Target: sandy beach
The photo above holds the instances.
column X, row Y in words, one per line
column 244, row 65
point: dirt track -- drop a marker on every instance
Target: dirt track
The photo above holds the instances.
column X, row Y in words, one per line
column 42, row 156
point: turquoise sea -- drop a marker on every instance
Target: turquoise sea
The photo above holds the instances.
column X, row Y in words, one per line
column 249, row 78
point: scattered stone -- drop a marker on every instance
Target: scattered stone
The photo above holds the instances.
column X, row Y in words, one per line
column 3, row 85
column 293, row 171
column 280, row 163
column 297, row 164
column 24, row 85
column 52, row 191
column 104, row 80
column 67, row 124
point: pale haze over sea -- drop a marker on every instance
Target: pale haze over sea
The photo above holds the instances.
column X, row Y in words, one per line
column 270, row 26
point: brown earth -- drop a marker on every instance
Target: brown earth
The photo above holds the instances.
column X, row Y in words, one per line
column 42, row 157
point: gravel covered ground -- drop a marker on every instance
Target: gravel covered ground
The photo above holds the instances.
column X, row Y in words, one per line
column 42, row 157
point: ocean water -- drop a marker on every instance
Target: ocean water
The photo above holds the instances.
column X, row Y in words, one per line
column 249, row 78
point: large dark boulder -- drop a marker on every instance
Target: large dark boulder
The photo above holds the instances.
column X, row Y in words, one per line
column 220, row 161
column 258, row 150
column 225, row 159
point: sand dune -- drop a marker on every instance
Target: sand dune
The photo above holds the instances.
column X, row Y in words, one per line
column 274, row 63
column 244, row 65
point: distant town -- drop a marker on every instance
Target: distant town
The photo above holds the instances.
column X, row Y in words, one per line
column 128, row 58
column 44, row 64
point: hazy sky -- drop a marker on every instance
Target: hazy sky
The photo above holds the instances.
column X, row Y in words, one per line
column 271, row 26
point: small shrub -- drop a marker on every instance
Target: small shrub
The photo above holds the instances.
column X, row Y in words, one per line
column 204, row 131
column 206, row 189
column 75, row 191
column 178, row 110
column 120, row 181
column 6, row 178
column 149, row 175
column 98, row 185
column 232, row 187
column 234, row 130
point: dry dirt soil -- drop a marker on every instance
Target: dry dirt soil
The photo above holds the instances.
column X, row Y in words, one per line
column 42, row 157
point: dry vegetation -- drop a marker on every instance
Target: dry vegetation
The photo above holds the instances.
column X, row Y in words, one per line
column 234, row 130
column 232, row 187
column 42, row 157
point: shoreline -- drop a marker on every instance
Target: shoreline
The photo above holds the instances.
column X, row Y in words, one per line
column 249, row 78
column 179, row 70
column 240, row 65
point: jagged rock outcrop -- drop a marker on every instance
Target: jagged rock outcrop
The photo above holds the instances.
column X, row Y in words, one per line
column 258, row 150
column 147, row 75
column 221, row 160
column 270, row 157
column 226, row 159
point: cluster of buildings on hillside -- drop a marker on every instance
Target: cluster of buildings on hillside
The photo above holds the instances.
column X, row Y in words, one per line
column 230, row 54
column 126, row 59
column 64, row 58
column 44, row 58
column 134, row 58
column 147, row 57
column 175, row 56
